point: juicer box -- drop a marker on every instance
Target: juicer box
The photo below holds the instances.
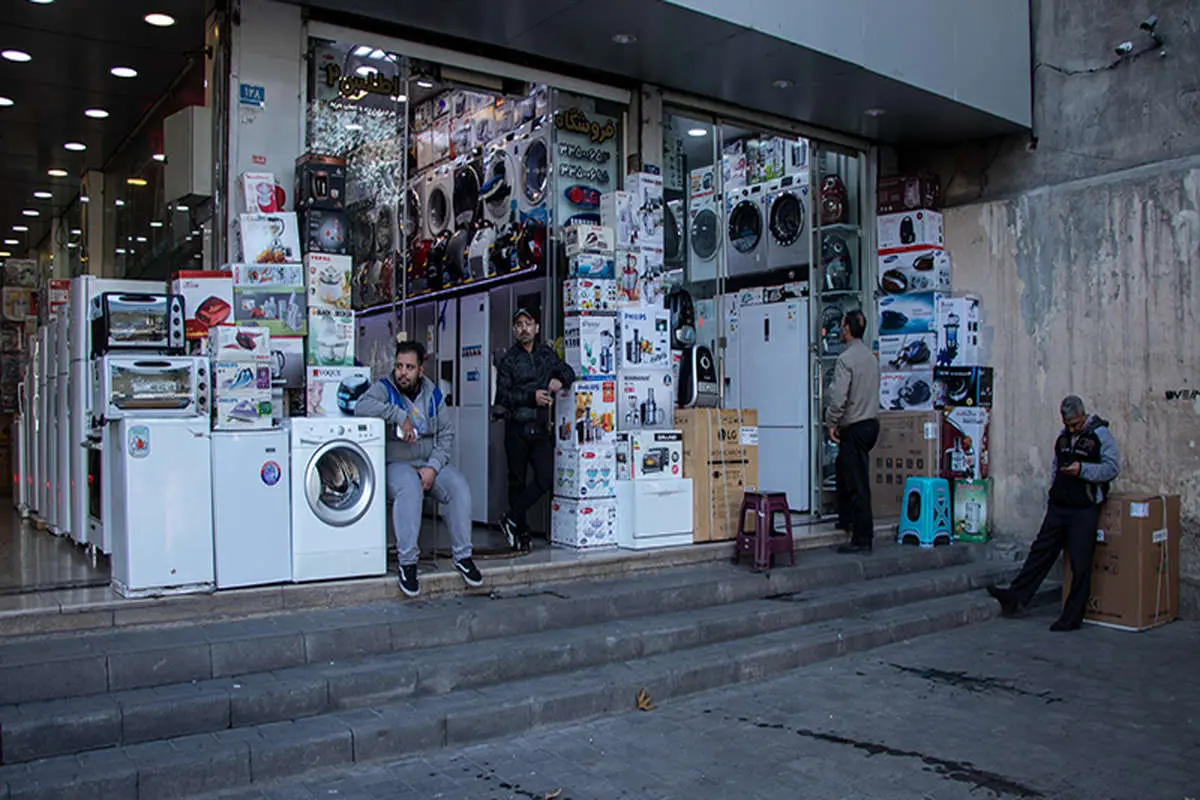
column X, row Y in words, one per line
column 640, row 278
column 238, row 343
column 207, row 299
column 584, row 524
column 645, row 399
column 585, row 413
column 655, row 455
column 915, row 271
column 330, row 338
column 964, row 445
column 589, row 343
column 270, row 238
column 334, row 391
column 643, row 337
column 589, row 295
column 636, row 213
column 328, row 278
column 585, row 472
column 270, row 296
column 909, row 229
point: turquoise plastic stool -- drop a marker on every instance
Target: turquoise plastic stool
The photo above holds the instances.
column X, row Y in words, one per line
column 925, row 512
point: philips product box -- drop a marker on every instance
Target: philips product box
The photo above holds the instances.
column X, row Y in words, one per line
column 234, row 343
column 915, row 271
column 640, row 279
column 334, row 391
column 287, row 361
column 207, row 299
column 585, row 414
column 589, row 344
column 973, row 510
column 958, row 332
column 270, row 238
column 325, row 231
column 584, row 524
column 904, row 314
column 320, row 181
column 656, row 455
column 906, row 353
column 645, row 399
column 585, row 295
column 330, row 337
column 585, row 472
column 590, row 265
column 590, row 239
column 271, row 297
column 245, row 410
column 231, row 377
column 965, row 443
column 909, row 229
column 263, row 195
column 643, row 337
column 328, row 278
column 967, row 387
column 906, row 391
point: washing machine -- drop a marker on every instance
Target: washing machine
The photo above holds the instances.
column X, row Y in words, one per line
column 703, row 232
column 437, row 202
column 746, row 230
column 338, row 497
column 499, row 178
column 530, row 149
column 787, row 222
column 411, row 216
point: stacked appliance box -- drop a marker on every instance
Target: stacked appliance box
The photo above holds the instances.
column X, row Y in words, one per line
column 241, row 378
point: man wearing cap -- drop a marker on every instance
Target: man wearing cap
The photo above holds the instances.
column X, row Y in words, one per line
column 527, row 378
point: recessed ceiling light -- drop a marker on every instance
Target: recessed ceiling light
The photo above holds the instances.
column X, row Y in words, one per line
column 624, row 38
column 136, row 181
column 20, row 229
column 782, row 83
column 353, row 126
column 159, row 157
column 364, row 70
column 156, row 224
column 120, row 251
column 160, row 20
column 57, row 173
column 83, row 198
column 362, row 50
column 197, row 255
column 75, row 147
column 12, row 242
column 96, row 113
column 72, row 245
column 401, row 98
column 76, row 232
column 43, row 195
column 141, row 238
column 181, row 208
column 875, row 112
column 5, row 102
column 42, row 2
column 124, row 72
column 424, row 84
column 697, row 131
column 20, row 56
column 119, row 203
column 30, row 212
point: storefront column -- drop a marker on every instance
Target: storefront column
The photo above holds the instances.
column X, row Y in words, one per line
column 647, row 146
column 60, row 256
column 95, row 259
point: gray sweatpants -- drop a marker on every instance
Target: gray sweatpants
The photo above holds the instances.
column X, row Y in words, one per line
column 452, row 493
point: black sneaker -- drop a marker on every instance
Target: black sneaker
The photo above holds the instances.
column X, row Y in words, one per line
column 525, row 542
column 408, row 580
column 470, row 573
column 512, row 531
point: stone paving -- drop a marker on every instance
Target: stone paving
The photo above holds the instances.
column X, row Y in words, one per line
column 1003, row 709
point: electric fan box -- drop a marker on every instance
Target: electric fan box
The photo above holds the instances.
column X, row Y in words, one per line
column 643, row 337
column 957, row 326
column 589, row 345
column 909, row 229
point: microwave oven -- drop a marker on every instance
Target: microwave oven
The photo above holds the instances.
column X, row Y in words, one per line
column 123, row 322
column 151, row 386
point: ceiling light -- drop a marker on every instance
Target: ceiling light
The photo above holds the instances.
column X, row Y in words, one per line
column 20, row 56
column 12, row 241
column 20, row 228
column 782, row 83
column 76, row 232
column 377, row 54
column 353, row 126
column 181, row 208
column 160, row 20
column 624, row 38
column 43, row 195
column 75, row 147
column 71, row 245
column 30, row 212
column 196, row 256
column 5, row 254
column 124, row 72
column 362, row 50
column 401, row 98
column 424, row 84
column 159, row 157
column 5, row 102
column 697, row 131
column 83, row 198
column 156, row 224
column 875, row 112
column 120, row 251
column 119, row 203
column 42, row 2
column 96, row 113
column 364, row 70
column 136, row 181
column 141, row 238
column 57, row 173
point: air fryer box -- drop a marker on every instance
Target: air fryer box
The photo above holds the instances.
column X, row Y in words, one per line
column 585, row 472
column 270, row 238
column 325, row 231
column 590, row 344
column 915, row 271
column 906, row 391
column 958, row 332
column 909, row 229
column 656, row 455
column 583, row 524
column 585, row 413
column 964, row 447
column 904, row 314
column 645, row 399
column 334, row 391
column 320, row 182
column 643, row 337
column 207, row 299
column 907, row 353
column 967, row 387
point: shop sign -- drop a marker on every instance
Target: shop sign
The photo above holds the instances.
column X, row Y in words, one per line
column 598, row 130
column 585, row 157
column 356, row 87
column 255, row 96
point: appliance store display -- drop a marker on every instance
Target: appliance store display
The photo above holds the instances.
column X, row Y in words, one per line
column 643, row 337
column 645, row 399
column 655, row 455
column 137, row 322
column 746, row 231
column 585, row 472
column 654, row 513
column 908, row 313
column 589, row 344
column 915, row 271
column 969, row 387
column 150, row 386
column 585, row 413
column 242, row 397
column 958, row 332
column 965, row 443
column 270, row 238
column 207, row 299
column 330, row 337
column 251, row 512
column 906, row 391
column 334, row 391
column 584, row 524
column 787, row 221
column 909, row 229
column 640, row 279
column 584, row 295
column 271, row 297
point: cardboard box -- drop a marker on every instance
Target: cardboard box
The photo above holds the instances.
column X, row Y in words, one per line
column 328, row 278
column 717, row 436
column 270, row 238
column 907, row 353
column 623, row 455
column 590, row 265
column 207, row 299
column 906, row 391
column 972, row 510
column 640, row 277
column 585, row 414
column 21, row 272
column 908, row 446
column 330, row 337
column 589, row 345
column 909, row 229
column 1135, row 568
column 646, row 193
column 656, row 455
column 233, row 377
column 261, row 193
column 248, row 410
column 915, row 271
column 320, row 181
column 234, row 343
column 287, row 361
column 958, row 332
column 965, row 443
column 643, row 337
column 585, row 472
column 334, row 391
column 271, row 297
column 645, row 399
column 907, row 193
column 904, row 314
column 717, row 499
column 585, row 295
column 583, row 524
column 967, row 387
column 325, row 230
column 595, row 239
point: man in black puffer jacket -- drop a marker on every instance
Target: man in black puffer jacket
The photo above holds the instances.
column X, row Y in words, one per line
column 1086, row 461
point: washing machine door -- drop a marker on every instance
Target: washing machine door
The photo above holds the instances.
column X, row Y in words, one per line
column 704, row 234
column 535, row 171
column 439, row 209
column 466, row 195
column 787, row 219
column 339, row 483
column 745, row 226
column 412, row 213
column 496, row 189
column 673, row 233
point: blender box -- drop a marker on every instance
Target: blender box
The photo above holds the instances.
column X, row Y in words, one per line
column 584, row 524
column 643, row 337
column 238, row 343
column 906, row 353
column 585, row 413
column 589, row 239
column 906, row 391
column 232, row 377
column 287, row 361
column 969, row 387
column 964, row 443
column 590, row 265
column 657, row 455
column 320, row 181
column 583, row 295
column 957, row 326
column 640, row 278
column 207, row 299
column 617, row 214
column 909, row 229
column 645, row 398
column 585, row 472
column 903, row 314
column 589, row 344
column 325, row 230
column 972, row 510
column 334, row 391
column 243, row 410
column 330, row 337
column 263, row 194
column 328, row 278
column 270, row 238
column 646, row 194
column 914, row 271
column 271, row 297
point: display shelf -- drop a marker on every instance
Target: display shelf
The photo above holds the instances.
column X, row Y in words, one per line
column 841, row 227
column 453, row 291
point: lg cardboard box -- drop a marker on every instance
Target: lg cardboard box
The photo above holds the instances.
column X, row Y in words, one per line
column 907, row 447
column 1135, row 568
column 717, row 498
column 720, row 455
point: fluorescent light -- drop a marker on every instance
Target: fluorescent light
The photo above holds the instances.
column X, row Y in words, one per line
column 124, row 72
column 159, row 157
column 362, row 50
column 136, row 181
column 141, row 238
column 20, row 56
column 76, row 232
column 12, row 241
column 424, row 84
column 43, row 195
column 160, row 20
column 57, row 173
column 83, row 198
column 5, row 254
column 377, row 54
column 120, row 251
column 401, row 98
column 31, row 212
column 42, row 2
column 156, row 224
column 5, row 102
column 96, row 113
column 71, row 245
column 75, row 147
column 697, row 131
column 20, row 228
column 181, row 208
column 119, row 203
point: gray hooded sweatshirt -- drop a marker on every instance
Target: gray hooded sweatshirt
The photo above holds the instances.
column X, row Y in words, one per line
column 435, row 429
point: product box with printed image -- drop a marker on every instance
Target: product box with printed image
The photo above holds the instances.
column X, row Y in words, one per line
column 238, row 343
column 589, row 344
column 328, row 278
column 906, row 353
column 966, row 387
column 207, row 299
column 905, row 314
column 623, row 447
column 248, row 410
column 585, row 413
column 907, row 448
column 585, row 472
column 909, row 229
column 915, row 271
column 906, row 391
column 587, row 295
column 590, row 265
column 325, row 231
column 645, row 399
column 646, row 195
column 334, row 391
column 640, row 277
column 717, row 436
column 271, row 297
column 972, row 510
column 232, row 377
column 20, row 272
column 656, row 455
column 287, row 361
column 589, row 239
column 643, row 337
column 270, row 238
column 964, row 447
column 583, row 524
column 320, row 181
column 958, row 332
column 330, row 337
column 262, row 193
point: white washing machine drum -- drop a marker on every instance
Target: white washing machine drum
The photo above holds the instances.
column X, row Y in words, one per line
column 745, row 226
column 535, row 170
column 704, row 234
column 787, row 219
column 439, row 209
column 339, row 483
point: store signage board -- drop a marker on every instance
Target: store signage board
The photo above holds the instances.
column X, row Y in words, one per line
column 585, row 159
column 253, row 96
column 356, row 87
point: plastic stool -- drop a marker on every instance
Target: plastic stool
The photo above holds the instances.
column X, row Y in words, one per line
column 925, row 512
column 762, row 542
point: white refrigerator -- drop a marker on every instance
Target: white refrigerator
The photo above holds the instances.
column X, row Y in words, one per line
column 475, row 395
column 252, row 515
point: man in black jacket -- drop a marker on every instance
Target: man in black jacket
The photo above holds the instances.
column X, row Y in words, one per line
column 527, row 378
column 1086, row 460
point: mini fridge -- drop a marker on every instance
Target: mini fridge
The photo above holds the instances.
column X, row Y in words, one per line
column 252, row 522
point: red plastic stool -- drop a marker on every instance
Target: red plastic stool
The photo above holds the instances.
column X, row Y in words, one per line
column 762, row 542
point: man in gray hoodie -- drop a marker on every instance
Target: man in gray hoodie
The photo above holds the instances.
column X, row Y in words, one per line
column 420, row 439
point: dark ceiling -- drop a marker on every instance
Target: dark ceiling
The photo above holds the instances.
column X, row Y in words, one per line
column 74, row 44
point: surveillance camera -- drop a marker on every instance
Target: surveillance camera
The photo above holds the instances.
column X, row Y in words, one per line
column 1124, row 48
column 1149, row 23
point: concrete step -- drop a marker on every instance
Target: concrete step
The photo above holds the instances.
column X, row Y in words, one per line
column 211, row 762
column 157, row 656
column 41, row 729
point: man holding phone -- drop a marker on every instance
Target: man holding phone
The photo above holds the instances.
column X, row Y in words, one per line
column 1086, row 461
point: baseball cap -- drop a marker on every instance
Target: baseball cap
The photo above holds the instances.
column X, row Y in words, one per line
column 524, row 312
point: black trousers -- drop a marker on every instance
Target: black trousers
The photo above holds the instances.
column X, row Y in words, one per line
column 527, row 445
column 1075, row 529
column 853, row 472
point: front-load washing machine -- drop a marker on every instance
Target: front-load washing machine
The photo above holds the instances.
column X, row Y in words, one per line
column 531, row 154
column 498, row 192
column 703, row 234
column 787, row 222
column 411, row 216
column 746, row 229
column 338, row 497
column 437, row 202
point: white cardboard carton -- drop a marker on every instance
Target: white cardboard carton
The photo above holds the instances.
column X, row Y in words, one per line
column 906, row 353
column 640, row 278
column 246, row 410
column 596, row 239
column 910, row 229
column 334, row 391
column 328, row 279
column 643, row 337
column 906, row 391
column 645, row 399
column 585, row 413
column 330, row 337
column 656, row 455
column 958, row 332
column 585, row 472
column 270, row 238
column 915, row 271
column 238, row 343
column 583, row 524
column 589, row 344
column 587, row 295
column 207, row 299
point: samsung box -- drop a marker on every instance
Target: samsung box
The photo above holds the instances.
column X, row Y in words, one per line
column 643, row 337
column 958, row 332
column 972, row 510
column 966, row 387
column 656, row 455
column 915, row 271
column 907, row 353
column 585, row 413
column 906, row 391
column 588, row 295
column 589, row 344
column 334, row 391
column 645, row 399
column 909, row 229
column 585, row 472
column 965, row 443
column 583, row 524
column 207, row 299
column 906, row 314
